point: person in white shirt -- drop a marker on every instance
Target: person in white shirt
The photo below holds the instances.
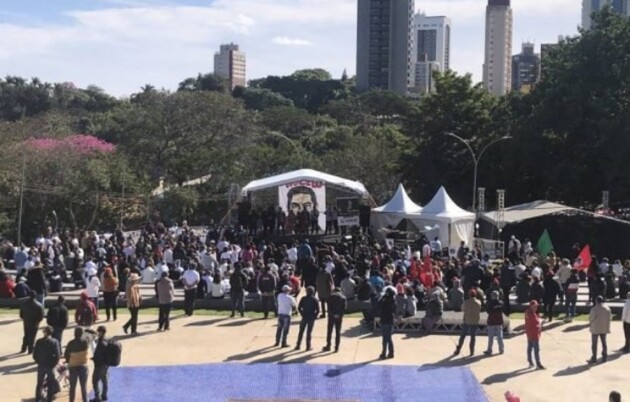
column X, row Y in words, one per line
column 93, row 286
column 436, row 246
column 286, row 306
column 625, row 319
column 148, row 275
column 426, row 250
column 168, row 255
column 536, row 272
column 190, row 279
column 216, row 287
column 292, row 254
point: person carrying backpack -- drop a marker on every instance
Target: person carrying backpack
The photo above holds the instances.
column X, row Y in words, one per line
column 85, row 314
column 57, row 318
column 106, row 354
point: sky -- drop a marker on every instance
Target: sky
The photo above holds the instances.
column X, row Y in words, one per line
column 121, row 45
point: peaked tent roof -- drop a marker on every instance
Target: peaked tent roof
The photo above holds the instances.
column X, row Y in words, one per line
column 304, row 174
column 400, row 203
column 442, row 207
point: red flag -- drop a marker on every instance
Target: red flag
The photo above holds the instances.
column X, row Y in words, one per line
column 584, row 259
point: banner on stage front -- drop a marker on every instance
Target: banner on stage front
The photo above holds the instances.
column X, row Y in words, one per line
column 309, row 195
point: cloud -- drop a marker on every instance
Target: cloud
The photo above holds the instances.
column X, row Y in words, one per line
column 286, row 41
column 125, row 44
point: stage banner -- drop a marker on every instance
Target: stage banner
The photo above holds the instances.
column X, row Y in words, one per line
column 304, row 195
column 348, row 211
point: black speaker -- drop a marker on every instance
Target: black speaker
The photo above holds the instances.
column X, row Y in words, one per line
column 364, row 216
column 243, row 213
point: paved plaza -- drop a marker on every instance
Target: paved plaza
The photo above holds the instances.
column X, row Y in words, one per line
column 244, row 342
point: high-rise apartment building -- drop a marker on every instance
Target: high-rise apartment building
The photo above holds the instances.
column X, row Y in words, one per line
column 525, row 68
column 384, row 45
column 431, row 49
column 230, row 63
column 497, row 68
column 590, row 6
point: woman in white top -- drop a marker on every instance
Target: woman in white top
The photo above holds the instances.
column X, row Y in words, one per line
column 216, row 288
column 93, row 286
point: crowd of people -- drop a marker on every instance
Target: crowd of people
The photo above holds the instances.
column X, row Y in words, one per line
column 390, row 283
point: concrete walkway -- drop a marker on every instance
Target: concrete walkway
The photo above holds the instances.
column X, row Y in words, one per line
column 205, row 339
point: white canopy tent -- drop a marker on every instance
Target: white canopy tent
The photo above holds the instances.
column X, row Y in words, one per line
column 530, row 210
column 398, row 208
column 305, row 174
column 455, row 224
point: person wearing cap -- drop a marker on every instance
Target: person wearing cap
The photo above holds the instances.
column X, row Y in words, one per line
column 494, row 308
column 337, row 305
column 286, row 306
column 134, row 299
column 533, row 329
column 31, row 313
column 21, row 289
column 472, row 312
column 46, row 354
column 76, row 355
column 387, row 307
column 99, row 375
column 599, row 319
column 86, row 313
column 165, row 294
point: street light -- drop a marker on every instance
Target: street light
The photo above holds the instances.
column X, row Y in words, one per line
column 476, row 159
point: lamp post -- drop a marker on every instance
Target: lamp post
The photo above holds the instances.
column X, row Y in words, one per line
column 476, row 159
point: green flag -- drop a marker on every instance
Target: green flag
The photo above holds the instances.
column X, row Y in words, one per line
column 544, row 245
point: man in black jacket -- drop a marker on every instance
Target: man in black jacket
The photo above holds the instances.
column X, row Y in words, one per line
column 238, row 283
column 309, row 310
column 267, row 286
column 31, row 313
column 57, row 318
column 100, row 366
column 46, row 354
column 337, row 304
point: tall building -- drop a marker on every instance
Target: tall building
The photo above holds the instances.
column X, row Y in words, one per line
column 590, row 6
column 431, row 49
column 497, row 68
column 525, row 68
column 384, row 45
column 230, row 64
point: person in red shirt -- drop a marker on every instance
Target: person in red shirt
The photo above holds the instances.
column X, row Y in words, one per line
column 6, row 286
column 295, row 283
column 533, row 328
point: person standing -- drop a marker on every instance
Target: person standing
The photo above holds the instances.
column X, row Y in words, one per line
column 599, row 319
column 190, row 279
column 309, row 310
column 494, row 308
column 533, row 329
column 286, row 306
column 36, row 280
column 110, row 293
column 134, row 299
column 166, row 294
column 507, row 282
column 31, row 313
column 238, row 283
column 46, row 354
column 337, row 305
column 572, row 286
column 472, row 312
column 387, row 307
column 100, row 374
column 324, row 284
column 550, row 295
column 57, row 318
column 267, row 285
column 76, row 356
column 93, row 286
column 625, row 319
